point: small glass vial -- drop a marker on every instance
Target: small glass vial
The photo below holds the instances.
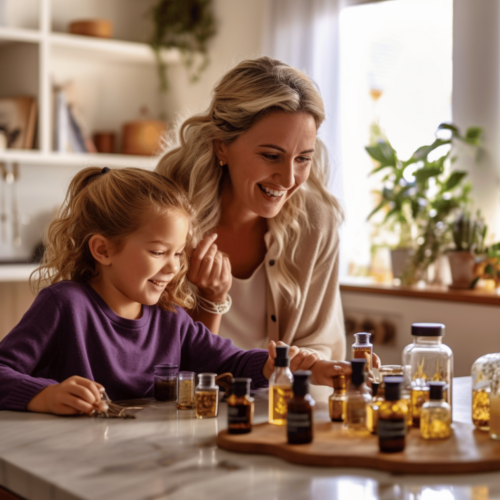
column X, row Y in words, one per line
column 186, row 391
column 362, row 348
column 372, row 409
column 426, row 360
column 495, row 406
column 435, row 415
column 240, row 407
column 482, row 374
column 165, row 382
column 336, row 401
column 300, row 410
column 280, row 387
column 206, row 396
column 357, row 397
column 392, row 417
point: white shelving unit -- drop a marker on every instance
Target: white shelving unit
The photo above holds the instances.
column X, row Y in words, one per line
column 111, row 79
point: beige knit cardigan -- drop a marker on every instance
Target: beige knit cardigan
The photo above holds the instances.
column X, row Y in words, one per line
column 317, row 322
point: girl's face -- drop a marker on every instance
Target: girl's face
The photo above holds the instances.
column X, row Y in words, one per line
column 149, row 258
column 270, row 161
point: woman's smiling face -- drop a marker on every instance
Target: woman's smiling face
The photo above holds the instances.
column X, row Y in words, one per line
column 270, row 161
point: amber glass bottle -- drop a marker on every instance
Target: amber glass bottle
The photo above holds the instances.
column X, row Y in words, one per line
column 392, row 417
column 240, row 407
column 300, row 410
column 358, row 396
column 336, row 402
column 362, row 348
column 372, row 409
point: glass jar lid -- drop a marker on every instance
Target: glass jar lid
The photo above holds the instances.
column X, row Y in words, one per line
column 427, row 329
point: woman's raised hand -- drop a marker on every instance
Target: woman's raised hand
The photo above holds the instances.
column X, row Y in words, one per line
column 210, row 270
column 75, row 395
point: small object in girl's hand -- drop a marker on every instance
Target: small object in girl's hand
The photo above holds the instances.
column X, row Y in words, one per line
column 107, row 409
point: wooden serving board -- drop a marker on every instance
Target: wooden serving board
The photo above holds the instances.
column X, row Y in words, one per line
column 467, row 450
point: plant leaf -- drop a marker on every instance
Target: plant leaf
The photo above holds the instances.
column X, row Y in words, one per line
column 453, row 180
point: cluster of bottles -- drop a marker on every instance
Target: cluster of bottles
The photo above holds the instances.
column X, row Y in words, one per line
column 415, row 394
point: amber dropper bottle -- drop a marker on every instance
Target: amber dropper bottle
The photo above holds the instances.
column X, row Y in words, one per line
column 280, row 387
column 240, row 407
column 358, row 396
column 300, row 410
column 392, row 417
column 336, row 401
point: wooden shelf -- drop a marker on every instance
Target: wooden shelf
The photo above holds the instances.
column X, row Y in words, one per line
column 31, row 157
column 428, row 292
column 108, row 49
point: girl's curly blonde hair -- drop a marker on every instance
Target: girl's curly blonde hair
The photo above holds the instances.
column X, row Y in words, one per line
column 114, row 204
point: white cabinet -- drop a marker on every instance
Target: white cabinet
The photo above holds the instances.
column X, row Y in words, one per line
column 111, row 78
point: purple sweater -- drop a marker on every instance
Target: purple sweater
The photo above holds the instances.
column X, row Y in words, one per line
column 70, row 330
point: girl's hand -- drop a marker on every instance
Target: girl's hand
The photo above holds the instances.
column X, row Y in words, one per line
column 300, row 359
column 73, row 396
column 210, row 270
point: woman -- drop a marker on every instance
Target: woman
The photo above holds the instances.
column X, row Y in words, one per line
column 255, row 170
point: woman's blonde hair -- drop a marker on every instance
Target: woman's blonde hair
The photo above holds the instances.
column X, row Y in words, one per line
column 113, row 203
column 244, row 95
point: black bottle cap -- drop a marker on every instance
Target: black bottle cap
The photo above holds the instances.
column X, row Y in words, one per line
column 393, row 388
column 240, row 386
column 362, row 337
column 281, row 356
column 358, row 371
column 301, row 382
column 375, row 386
column 427, row 330
column 436, row 390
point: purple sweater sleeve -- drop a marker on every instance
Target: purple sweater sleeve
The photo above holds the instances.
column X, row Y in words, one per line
column 202, row 351
column 28, row 348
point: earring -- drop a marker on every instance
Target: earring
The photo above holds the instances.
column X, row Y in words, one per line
column 221, row 163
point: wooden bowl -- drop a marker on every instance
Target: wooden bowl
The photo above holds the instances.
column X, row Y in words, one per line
column 100, row 28
column 142, row 137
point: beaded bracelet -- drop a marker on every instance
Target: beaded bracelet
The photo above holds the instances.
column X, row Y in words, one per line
column 215, row 307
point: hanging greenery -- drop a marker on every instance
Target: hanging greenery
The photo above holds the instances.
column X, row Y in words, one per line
column 187, row 25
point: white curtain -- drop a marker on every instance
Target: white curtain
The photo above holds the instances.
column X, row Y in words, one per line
column 305, row 34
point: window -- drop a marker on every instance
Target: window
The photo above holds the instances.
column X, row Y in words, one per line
column 395, row 79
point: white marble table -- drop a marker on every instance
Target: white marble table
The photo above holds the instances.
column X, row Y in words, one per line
column 168, row 454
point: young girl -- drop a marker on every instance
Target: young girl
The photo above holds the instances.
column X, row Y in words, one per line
column 116, row 267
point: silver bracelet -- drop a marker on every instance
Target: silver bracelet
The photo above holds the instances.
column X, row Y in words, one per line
column 215, row 307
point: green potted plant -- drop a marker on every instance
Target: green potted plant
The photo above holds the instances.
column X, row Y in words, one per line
column 468, row 237
column 186, row 25
column 419, row 197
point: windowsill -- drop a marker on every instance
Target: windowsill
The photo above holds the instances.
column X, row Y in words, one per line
column 426, row 292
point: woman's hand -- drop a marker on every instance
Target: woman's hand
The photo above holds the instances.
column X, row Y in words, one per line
column 323, row 371
column 73, row 396
column 300, row 359
column 210, row 270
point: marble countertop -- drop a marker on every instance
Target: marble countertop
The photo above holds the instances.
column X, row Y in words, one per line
column 169, row 454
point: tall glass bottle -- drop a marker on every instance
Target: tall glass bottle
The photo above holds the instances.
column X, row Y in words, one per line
column 336, row 402
column 280, row 387
column 362, row 348
column 300, row 410
column 392, row 416
column 426, row 360
column 435, row 416
column 240, row 407
column 358, row 396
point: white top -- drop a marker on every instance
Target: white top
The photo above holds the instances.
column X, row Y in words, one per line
column 246, row 323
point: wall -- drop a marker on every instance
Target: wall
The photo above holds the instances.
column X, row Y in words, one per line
column 471, row 329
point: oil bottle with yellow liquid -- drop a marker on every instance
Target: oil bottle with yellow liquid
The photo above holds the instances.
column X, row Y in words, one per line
column 426, row 360
column 280, row 387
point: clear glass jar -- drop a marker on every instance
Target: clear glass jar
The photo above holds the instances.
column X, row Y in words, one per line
column 362, row 348
column 165, row 382
column 427, row 359
column 280, row 387
column 207, row 396
column 435, row 415
column 482, row 373
column 186, row 391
